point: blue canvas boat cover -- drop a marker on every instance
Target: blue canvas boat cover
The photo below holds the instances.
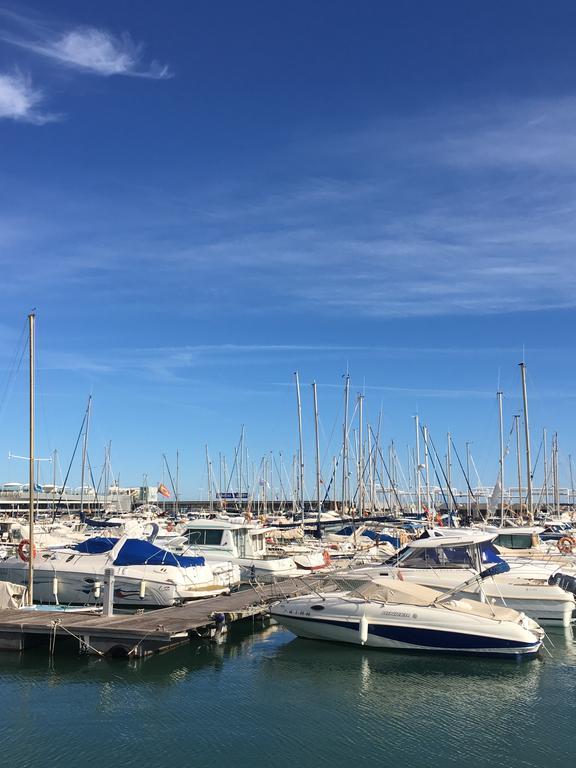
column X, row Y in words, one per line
column 140, row 552
column 95, row 546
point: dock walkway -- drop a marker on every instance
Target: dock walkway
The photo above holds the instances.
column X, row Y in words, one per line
column 141, row 633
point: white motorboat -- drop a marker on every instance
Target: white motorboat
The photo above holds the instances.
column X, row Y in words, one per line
column 239, row 542
column 145, row 575
column 404, row 616
column 445, row 562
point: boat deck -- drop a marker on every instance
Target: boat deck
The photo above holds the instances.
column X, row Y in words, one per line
column 141, row 633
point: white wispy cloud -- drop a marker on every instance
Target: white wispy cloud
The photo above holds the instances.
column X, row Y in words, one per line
column 476, row 239
column 99, row 52
column 532, row 134
column 20, row 100
column 83, row 48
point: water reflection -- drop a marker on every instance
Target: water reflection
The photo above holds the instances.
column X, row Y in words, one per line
column 296, row 702
column 166, row 669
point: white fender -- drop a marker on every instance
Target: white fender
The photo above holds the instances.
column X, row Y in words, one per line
column 363, row 630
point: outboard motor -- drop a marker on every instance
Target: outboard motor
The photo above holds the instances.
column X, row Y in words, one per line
column 564, row 580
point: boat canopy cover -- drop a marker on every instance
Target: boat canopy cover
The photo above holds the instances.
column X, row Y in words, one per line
column 377, row 536
column 139, row 552
column 11, row 595
column 98, row 523
column 398, row 592
column 95, row 546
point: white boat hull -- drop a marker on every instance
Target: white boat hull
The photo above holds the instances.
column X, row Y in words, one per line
column 407, row 628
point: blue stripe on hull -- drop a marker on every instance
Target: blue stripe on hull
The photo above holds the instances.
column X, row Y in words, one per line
column 433, row 639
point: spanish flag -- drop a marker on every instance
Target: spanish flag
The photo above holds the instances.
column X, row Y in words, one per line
column 163, row 491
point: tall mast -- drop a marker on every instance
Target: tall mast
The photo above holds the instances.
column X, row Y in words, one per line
column 556, row 475
column 240, row 467
column 209, row 472
column 317, row 439
column 334, row 483
column 220, row 475
column 225, row 486
column 375, row 500
column 54, row 459
column 32, row 344
column 84, row 453
column 519, row 463
column 300, row 448
column 468, row 497
column 177, row 505
column 360, row 456
column 369, row 463
column 545, row 448
column 345, row 444
column 427, row 471
column 418, row 486
column 294, row 485
column 392, row 470
column 271, row 473
column 449, row 473
column 527, row 438
column 107, row 451
column 571, row 479
column 501, row 422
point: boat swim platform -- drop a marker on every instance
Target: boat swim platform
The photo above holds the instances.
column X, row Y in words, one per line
column 143, row 633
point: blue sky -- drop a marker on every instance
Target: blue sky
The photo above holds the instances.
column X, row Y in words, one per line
column 200, row 199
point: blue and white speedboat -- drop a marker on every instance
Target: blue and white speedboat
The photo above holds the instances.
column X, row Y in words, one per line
column 409, row 617
column 145, row 575
column 455, row 559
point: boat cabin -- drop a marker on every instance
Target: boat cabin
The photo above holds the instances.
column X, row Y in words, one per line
column 476, row 553
column 235, row 539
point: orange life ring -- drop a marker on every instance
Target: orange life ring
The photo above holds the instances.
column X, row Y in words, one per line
column 326, row 557
column 24, row 550
column 566, row 545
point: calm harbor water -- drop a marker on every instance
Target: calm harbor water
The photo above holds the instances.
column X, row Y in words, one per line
column 266, row 698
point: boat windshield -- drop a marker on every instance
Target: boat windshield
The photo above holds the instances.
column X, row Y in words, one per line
column 514, row 541
column 211, row 537
column 489, row 555
column 436, row 557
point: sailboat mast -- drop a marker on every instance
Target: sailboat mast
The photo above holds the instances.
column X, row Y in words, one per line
column 427, row 471
column 334, row 502
column 32, row 342
column 177, row 494
column 345, row 444
column 527, row 438
column 545, row 449
column 300, row 448
column 501, row 423
column 519, row 462
column 360, row 456
column 209, row 473
column 468, row 497
column 54, row 458
column 418, row 486
column 84, row 453
column 571, row 479
column 556, row 476
column 449, row 473
column 294, row 485
column 317, row 439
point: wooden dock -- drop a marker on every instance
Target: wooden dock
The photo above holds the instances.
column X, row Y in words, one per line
column 141, row 633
